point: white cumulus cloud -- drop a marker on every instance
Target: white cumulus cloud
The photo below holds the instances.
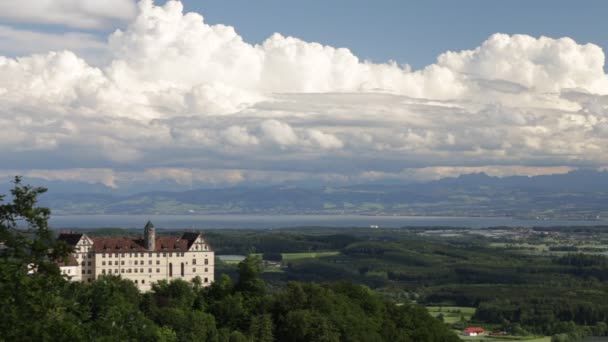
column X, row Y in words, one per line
column 177, row 93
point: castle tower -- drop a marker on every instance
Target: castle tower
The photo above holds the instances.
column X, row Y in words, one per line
column 149, row 236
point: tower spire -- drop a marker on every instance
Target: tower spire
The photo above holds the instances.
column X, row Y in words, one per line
column 150, row 236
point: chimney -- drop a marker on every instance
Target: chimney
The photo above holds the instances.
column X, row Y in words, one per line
column 149, row 236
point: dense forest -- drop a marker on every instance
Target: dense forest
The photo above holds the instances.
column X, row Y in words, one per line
column 39, row 304
column 556, row 293
column 316, row 284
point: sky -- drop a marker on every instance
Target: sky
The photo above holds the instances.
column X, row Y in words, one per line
column 224, row 93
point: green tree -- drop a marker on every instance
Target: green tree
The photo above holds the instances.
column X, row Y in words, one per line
column 177, row 293
column 189, row 325
column 260, row 329
column 249, row 281
column 308, row 326
column 29, row 244
column 32, row 291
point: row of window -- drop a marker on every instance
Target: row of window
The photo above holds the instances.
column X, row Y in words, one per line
column 194, row 261
column 143, row 281
column 122, row 262
column 130, row 255
column 141, row 255
column 135, row 270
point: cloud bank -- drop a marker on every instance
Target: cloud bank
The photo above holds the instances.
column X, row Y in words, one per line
column 178, row 95
column 74, row 13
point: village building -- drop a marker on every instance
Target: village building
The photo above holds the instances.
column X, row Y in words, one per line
column 144, row 260
column 473, row 331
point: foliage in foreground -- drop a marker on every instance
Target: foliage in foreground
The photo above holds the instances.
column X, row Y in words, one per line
column 43, row 306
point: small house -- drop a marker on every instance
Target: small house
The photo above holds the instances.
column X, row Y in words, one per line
column 473, row 331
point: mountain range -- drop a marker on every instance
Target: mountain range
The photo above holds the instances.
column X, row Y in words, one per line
column 579, row 194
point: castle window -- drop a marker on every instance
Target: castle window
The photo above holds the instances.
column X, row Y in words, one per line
column 149, row 262
column 103, row 255
column 150, row 254
column 193, row 261
column 194, row 270
column 206, row 280
column 170, row 270
column 182, row 269
column 206, row 261
column 158, row 262
column 122, row 262
column 141, row 255
column 103, row 271
column 141, row 270
column 206, row 270
column 170, row 255
column 88, row 263
column 149, row 270
column 143, row 281
column 135, row 269
column 135, row 262
column 103, row 263
column 164, row 255
column 122, row 270
column 158, row 270
column 136, row 281
column 83, row 271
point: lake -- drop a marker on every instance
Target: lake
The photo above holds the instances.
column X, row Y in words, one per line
column 282, row 221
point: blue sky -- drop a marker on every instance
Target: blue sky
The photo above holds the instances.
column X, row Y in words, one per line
column 413, row 32
column 129, row 94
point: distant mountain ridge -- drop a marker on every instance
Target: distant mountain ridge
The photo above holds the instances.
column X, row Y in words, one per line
column 580, row 194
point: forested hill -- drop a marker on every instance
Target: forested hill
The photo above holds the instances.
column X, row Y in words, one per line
column 580, row 194
column 39, row 304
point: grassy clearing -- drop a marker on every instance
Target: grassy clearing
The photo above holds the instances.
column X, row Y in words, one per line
column 297, row 256
column 452, row 314
column 505, row 338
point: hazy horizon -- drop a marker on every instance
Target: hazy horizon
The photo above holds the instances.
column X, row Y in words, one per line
column 142, row 94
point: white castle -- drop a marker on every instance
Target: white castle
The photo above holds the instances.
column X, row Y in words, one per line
column 142, row 260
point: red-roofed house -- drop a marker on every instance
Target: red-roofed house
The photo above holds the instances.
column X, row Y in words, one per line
column 143, row 260
column 473, row 331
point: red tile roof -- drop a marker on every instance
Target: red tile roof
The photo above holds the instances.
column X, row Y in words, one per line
column 126, row 244
column 474, row 330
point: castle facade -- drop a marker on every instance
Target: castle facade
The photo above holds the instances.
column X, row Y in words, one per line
column 142, row 260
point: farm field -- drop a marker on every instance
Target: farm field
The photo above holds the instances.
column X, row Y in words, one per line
column 504, row 338
column 452, row 314
column 298, row 256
